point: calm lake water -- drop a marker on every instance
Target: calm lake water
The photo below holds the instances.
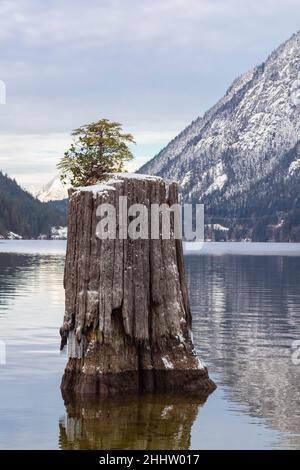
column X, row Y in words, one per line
column 246, row 314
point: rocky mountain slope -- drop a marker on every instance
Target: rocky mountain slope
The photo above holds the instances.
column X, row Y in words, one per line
column 242, row 159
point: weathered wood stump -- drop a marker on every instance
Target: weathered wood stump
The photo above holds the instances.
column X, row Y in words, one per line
column 127, row 317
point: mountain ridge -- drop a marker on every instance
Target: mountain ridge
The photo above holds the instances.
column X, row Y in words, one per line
column 244, row 138
column 54, row 190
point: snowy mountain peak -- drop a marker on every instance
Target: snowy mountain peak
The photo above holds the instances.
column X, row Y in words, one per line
column 249, row 137
column 55, row 190
column 245, row 132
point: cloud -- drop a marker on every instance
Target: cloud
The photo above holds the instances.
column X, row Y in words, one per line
column 78, row 24
column 152, row 65
column 32, row 158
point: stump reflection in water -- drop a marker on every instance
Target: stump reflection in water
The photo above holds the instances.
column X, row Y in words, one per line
column 131, row 422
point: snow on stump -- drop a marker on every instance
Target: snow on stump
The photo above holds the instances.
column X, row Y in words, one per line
column 127, row 315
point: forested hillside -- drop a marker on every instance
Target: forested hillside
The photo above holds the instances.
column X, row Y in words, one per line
column 24, row 215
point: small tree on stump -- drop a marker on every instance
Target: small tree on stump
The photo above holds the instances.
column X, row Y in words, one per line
column 99, row 148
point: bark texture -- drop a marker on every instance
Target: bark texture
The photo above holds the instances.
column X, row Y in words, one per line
column 127, row 315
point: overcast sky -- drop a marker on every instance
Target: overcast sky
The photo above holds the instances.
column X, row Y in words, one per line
column 153, row 65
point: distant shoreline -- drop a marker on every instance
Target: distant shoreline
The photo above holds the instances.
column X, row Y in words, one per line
column 243, row 248
column 58, row 247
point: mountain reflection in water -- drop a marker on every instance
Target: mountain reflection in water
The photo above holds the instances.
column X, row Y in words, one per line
column 246, row 313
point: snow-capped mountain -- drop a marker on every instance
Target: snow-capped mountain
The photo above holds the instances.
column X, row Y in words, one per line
column 55, row 190
column 249, row 137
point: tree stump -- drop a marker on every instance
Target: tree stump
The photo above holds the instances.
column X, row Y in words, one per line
column 127, row 315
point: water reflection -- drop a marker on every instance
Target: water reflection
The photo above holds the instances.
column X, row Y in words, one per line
column 138, row 422
column 31, row 306
column 246, row 313
column 24, row 274
column 12, row 276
